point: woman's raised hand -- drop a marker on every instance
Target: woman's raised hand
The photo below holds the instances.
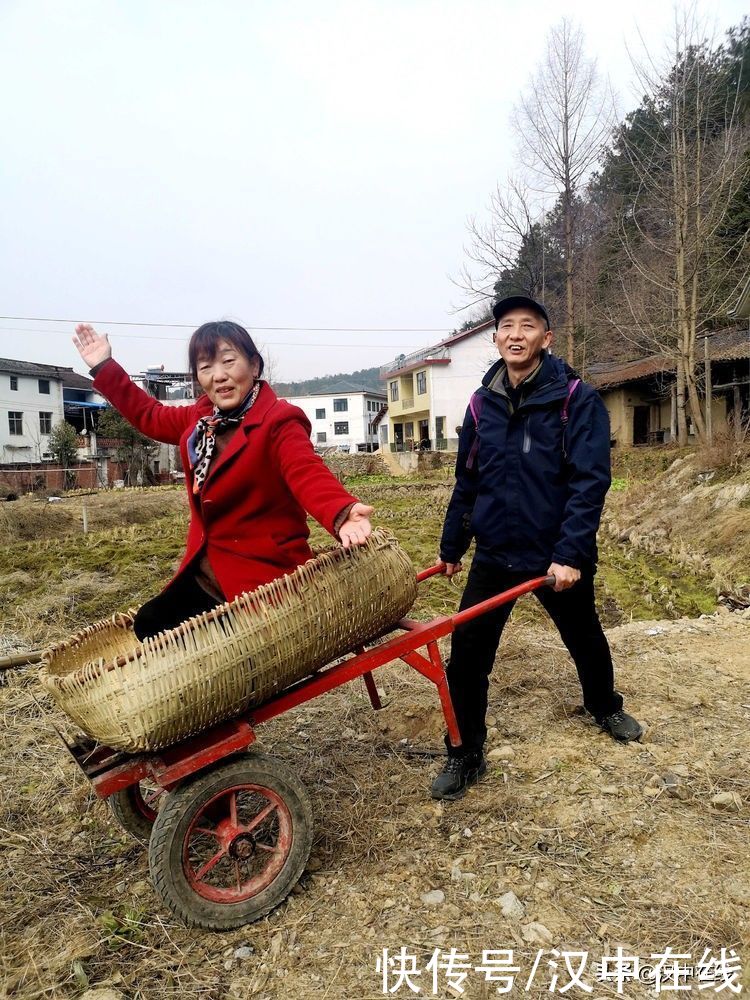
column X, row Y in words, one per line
column 92, row 346
column 356, row 529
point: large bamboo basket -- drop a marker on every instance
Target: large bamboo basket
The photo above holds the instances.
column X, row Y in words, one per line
column 138, row 696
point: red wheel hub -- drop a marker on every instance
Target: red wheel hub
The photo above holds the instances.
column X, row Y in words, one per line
column 237, row 844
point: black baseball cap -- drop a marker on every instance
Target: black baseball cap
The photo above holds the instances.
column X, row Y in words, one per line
column 518, row 302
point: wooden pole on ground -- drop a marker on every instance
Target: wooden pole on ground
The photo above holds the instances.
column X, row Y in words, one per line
column 709, row 394
column 20, row 659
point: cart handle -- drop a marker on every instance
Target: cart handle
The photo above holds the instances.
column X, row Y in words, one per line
column 492, row 602
column 507, row 595
column 425, row 574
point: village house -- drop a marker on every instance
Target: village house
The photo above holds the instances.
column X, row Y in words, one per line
column 641, row 395
column 345, row 417
column 428, row 391
column 34, row 397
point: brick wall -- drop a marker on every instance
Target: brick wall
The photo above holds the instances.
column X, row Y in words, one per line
column 41, row 476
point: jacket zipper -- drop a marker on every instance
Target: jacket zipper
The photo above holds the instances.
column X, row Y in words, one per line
column 526, row 435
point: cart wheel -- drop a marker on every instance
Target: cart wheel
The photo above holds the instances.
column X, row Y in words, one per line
column 135, row 808
column 229, row 845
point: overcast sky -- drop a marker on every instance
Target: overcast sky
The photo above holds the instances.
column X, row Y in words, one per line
column 307, row 164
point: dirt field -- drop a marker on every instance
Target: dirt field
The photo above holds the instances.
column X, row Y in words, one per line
column 571, row 842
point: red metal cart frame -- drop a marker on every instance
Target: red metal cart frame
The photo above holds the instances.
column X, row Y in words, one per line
column 110, row 771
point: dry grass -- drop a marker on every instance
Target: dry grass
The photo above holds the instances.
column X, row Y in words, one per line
column 566, row 824
column 729, row 450
column 692, row 516
column 576, row 826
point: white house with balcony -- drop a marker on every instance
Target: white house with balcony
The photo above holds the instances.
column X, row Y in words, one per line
column 345, row 417
column 428, row 391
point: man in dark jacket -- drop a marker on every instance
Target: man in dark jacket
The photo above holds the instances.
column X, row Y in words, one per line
column 532, row 473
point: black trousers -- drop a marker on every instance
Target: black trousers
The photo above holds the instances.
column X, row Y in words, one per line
column 181, row 599
column 475, row 643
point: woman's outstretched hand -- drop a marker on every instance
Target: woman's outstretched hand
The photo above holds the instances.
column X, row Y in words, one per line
column 92, row 346
column 356, row 529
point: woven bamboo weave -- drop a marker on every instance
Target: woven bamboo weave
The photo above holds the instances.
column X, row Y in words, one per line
column 138, row 696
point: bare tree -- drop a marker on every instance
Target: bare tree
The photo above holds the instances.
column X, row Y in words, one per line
column 687, row 150
column 270, row 366
column 562, row 122
column 510, row 242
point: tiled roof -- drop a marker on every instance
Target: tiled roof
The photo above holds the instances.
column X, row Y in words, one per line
column 72, row 380
column 603, row 376
column 35, row 369
column 726, row 345
column 730, row 345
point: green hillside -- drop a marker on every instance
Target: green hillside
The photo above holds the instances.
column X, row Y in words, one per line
column 367, row 378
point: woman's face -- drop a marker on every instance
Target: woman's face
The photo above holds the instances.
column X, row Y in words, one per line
column 227, row 377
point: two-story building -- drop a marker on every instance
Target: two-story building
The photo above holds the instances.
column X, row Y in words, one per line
column 33, row 398
column 428, row 391
column 344, row 417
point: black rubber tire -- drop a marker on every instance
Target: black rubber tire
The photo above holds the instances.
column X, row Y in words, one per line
column 169, row 844
column 132, row 813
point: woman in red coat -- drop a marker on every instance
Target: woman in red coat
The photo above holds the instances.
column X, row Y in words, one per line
column 250, row 470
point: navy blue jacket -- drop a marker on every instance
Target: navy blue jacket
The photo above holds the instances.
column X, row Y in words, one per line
column 536, row 489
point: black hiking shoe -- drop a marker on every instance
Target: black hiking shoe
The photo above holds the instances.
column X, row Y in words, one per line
column 621, row 726
column 456, row 776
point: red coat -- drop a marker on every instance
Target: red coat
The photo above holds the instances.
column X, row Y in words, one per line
column 250, row 515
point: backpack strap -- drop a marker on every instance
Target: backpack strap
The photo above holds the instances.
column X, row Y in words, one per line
column 572, row 386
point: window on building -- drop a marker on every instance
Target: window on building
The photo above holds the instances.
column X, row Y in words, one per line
column 421, row 383
column 14, row 383
column 320, row 414
column 341, row 428
column 321, row 437
column 45, row 423
column 15, row 422
column 44, row 386
column 394, row 391
column 157, row 466
column 340, row 405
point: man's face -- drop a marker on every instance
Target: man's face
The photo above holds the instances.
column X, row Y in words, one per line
column 520, row 337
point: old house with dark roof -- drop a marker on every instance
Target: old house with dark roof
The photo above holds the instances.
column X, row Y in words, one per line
column 641, row 399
